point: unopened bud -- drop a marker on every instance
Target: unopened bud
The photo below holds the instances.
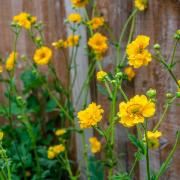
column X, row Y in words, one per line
column 151, row 93
column 157, row 46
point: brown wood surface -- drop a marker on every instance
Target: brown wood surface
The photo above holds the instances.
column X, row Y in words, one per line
column 160, row 21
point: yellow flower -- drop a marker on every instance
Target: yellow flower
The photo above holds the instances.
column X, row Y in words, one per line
column 179, row 85
column 60, row 44
column 51, row 154
column 60, row 132
column 153, row 139
column 137, row 54
column 1, row 135
column 10, row 62
column 72, row 40
column 141, row 5
column 42, row 55
column 74, row 18
column 96, row 22
column 1, row 69
column 101, row 75
column 135, row 110
column 25, row 20
column 130, row 73
column 95, row 144
column 79, row 3
column 90, row 116
column 28, row 173
column 58, row 148
column 98, row 43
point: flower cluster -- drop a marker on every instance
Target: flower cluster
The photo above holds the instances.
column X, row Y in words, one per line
column 95, row 145
column 135, row 110
column 54, row 151
column 137, row 53
column 25, row 20
column 90, row 116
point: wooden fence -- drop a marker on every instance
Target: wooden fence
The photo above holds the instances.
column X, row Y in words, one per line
column 159, row 22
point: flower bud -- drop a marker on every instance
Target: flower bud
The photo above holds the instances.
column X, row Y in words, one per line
column 156, row 46
column 169, row 95
column 151, row 93
column 119, row 75
column 178, row 94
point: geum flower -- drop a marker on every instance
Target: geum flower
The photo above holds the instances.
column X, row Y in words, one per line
column 98, row 43
column 101, row 75
column 95, row 145
column 54, row 151
column 96, row 22
column 11, row 60
column 74, row 18
column 42, row 56
column 79, row 3
column 90, row 116
column 141, row 5
column 135, row 110
column 130, row 73
column 72, row 40
column 153, row 139
column 137, row 53
column 25, row 20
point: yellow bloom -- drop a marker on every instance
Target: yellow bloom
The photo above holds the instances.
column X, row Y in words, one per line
column 95, row 144
column 58, row 148
column 135, row 110
column 1, row 135
column 79, row 3
column 90, row 116
column 96, row 22
column 10, row 62
column 98, row 43
column 42, row 55
column 74, row 18
column 51, row 154
column 137, row 54
column 60, row 44
column 28, row 173
column 25, row 20
column 153, row 139
column 179, row 85
column 72, row 40
column 1, row 69
column 130, row 73
column 141, row 5
column 60, row 132
column 101, row 75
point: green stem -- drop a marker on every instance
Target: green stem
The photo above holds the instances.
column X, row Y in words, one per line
column 85, row 155
column 168, row 159
column 174, row 52
column 123, row 33
column 133, row 166
column 123, row 93
column 58, row 104
column 147, row 152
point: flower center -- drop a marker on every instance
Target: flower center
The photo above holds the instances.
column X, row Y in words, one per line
column 134, row 109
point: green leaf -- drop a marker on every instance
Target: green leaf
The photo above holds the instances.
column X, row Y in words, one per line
column 102, row 90
column 51, row 105
column 96, row 169
column 139, row 144
column 121, row 176
column 31, row 80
